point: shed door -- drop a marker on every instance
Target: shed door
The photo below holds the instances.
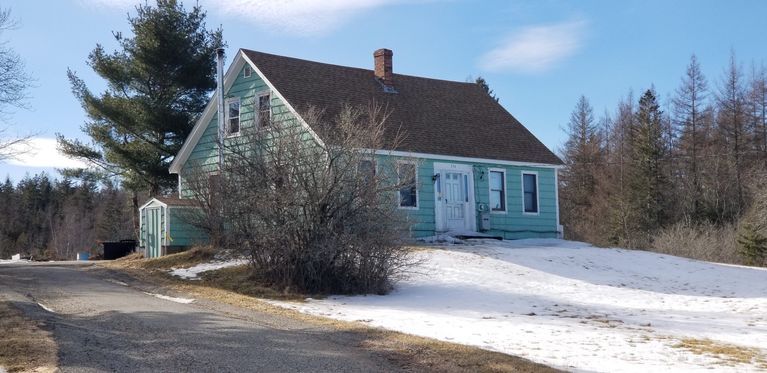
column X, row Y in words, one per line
column 455, row 201
column 153, row 232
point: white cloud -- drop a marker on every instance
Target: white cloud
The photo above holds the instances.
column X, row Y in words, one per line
column 305, row 17
column 536, row 48
column 302, row 17
column 42, row 152
column 116, row 4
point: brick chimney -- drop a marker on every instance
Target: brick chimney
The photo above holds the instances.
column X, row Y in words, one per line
column 383, row 66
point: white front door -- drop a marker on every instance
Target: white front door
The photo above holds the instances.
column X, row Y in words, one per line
column 455, row 201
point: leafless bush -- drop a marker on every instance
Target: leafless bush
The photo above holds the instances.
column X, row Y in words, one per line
column 708, row 241
column 314, row 216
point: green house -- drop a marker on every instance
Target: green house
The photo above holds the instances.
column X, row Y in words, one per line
column 478, row 169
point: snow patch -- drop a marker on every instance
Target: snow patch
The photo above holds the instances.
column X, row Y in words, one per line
column 45, row 307
column 192, row 273
column 117, row 282
column 11, row 261
column 441, row 239
column 570, row 305
column 172, row 299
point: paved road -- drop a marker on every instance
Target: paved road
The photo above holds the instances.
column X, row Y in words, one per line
column 100, row 324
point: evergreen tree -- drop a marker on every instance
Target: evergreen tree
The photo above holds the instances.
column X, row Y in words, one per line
column 648, row 181
column 480, row 81
column 753, row 245
column 158, row 84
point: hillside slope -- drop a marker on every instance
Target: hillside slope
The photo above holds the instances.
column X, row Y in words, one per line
column 577, row 307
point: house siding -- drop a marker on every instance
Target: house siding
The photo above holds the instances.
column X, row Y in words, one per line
column 512, row 224
column 204, row 155
column 181, row 233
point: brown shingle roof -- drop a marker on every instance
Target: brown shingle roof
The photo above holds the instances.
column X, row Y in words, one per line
column 436, row 116
column 175, row 201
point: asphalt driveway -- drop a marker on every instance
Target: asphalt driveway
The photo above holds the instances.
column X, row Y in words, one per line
column 102, row 323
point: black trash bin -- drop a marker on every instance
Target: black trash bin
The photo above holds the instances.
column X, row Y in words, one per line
column 118, row 249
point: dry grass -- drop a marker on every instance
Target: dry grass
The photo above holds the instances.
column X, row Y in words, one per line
column 24, row 346
column 186, row 259
column 413, row 352
column 708, row 242
column 728, row 352
column 241, row 280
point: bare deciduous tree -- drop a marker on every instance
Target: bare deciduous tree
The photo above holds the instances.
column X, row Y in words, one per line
column 733, row 121
column 689, row 113
column 14, row 83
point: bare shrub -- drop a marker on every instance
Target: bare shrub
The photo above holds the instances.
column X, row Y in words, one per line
column 705, row 241
column 313, row 216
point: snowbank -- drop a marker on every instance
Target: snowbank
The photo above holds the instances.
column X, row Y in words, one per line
column 572, row 306
column 192, row 273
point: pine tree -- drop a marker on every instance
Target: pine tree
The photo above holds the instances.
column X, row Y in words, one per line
column 158, row 84
column 486, row 87
column 648, row 182
column 753, row 245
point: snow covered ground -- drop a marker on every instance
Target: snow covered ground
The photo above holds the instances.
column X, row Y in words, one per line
column 573, row 306
column 193, row 272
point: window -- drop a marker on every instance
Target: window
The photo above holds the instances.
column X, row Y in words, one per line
column 247, row 71
column 408, row 194
column 366, row 167
column 214, row 189
column 497, row 190
column 233, row 116
column 530, row 191
column 264, row 110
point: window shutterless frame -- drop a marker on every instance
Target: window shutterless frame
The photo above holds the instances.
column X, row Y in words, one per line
column 536, row 197
column 411, row 188
column 263, row 109
column 229, row 118
column 502, row 190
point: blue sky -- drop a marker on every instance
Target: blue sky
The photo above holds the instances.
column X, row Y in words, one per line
column 538, row 56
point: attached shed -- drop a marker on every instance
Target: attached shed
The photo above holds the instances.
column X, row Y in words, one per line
column 165, row 226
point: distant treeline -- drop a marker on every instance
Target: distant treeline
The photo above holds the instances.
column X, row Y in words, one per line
column 55, row 219
column 688, row 180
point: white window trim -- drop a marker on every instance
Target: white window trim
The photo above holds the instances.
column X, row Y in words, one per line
column 505, row 195
column 257, row 106
column 227, row 102
column 417, row 189
column 537, row 192
column 247, row 71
